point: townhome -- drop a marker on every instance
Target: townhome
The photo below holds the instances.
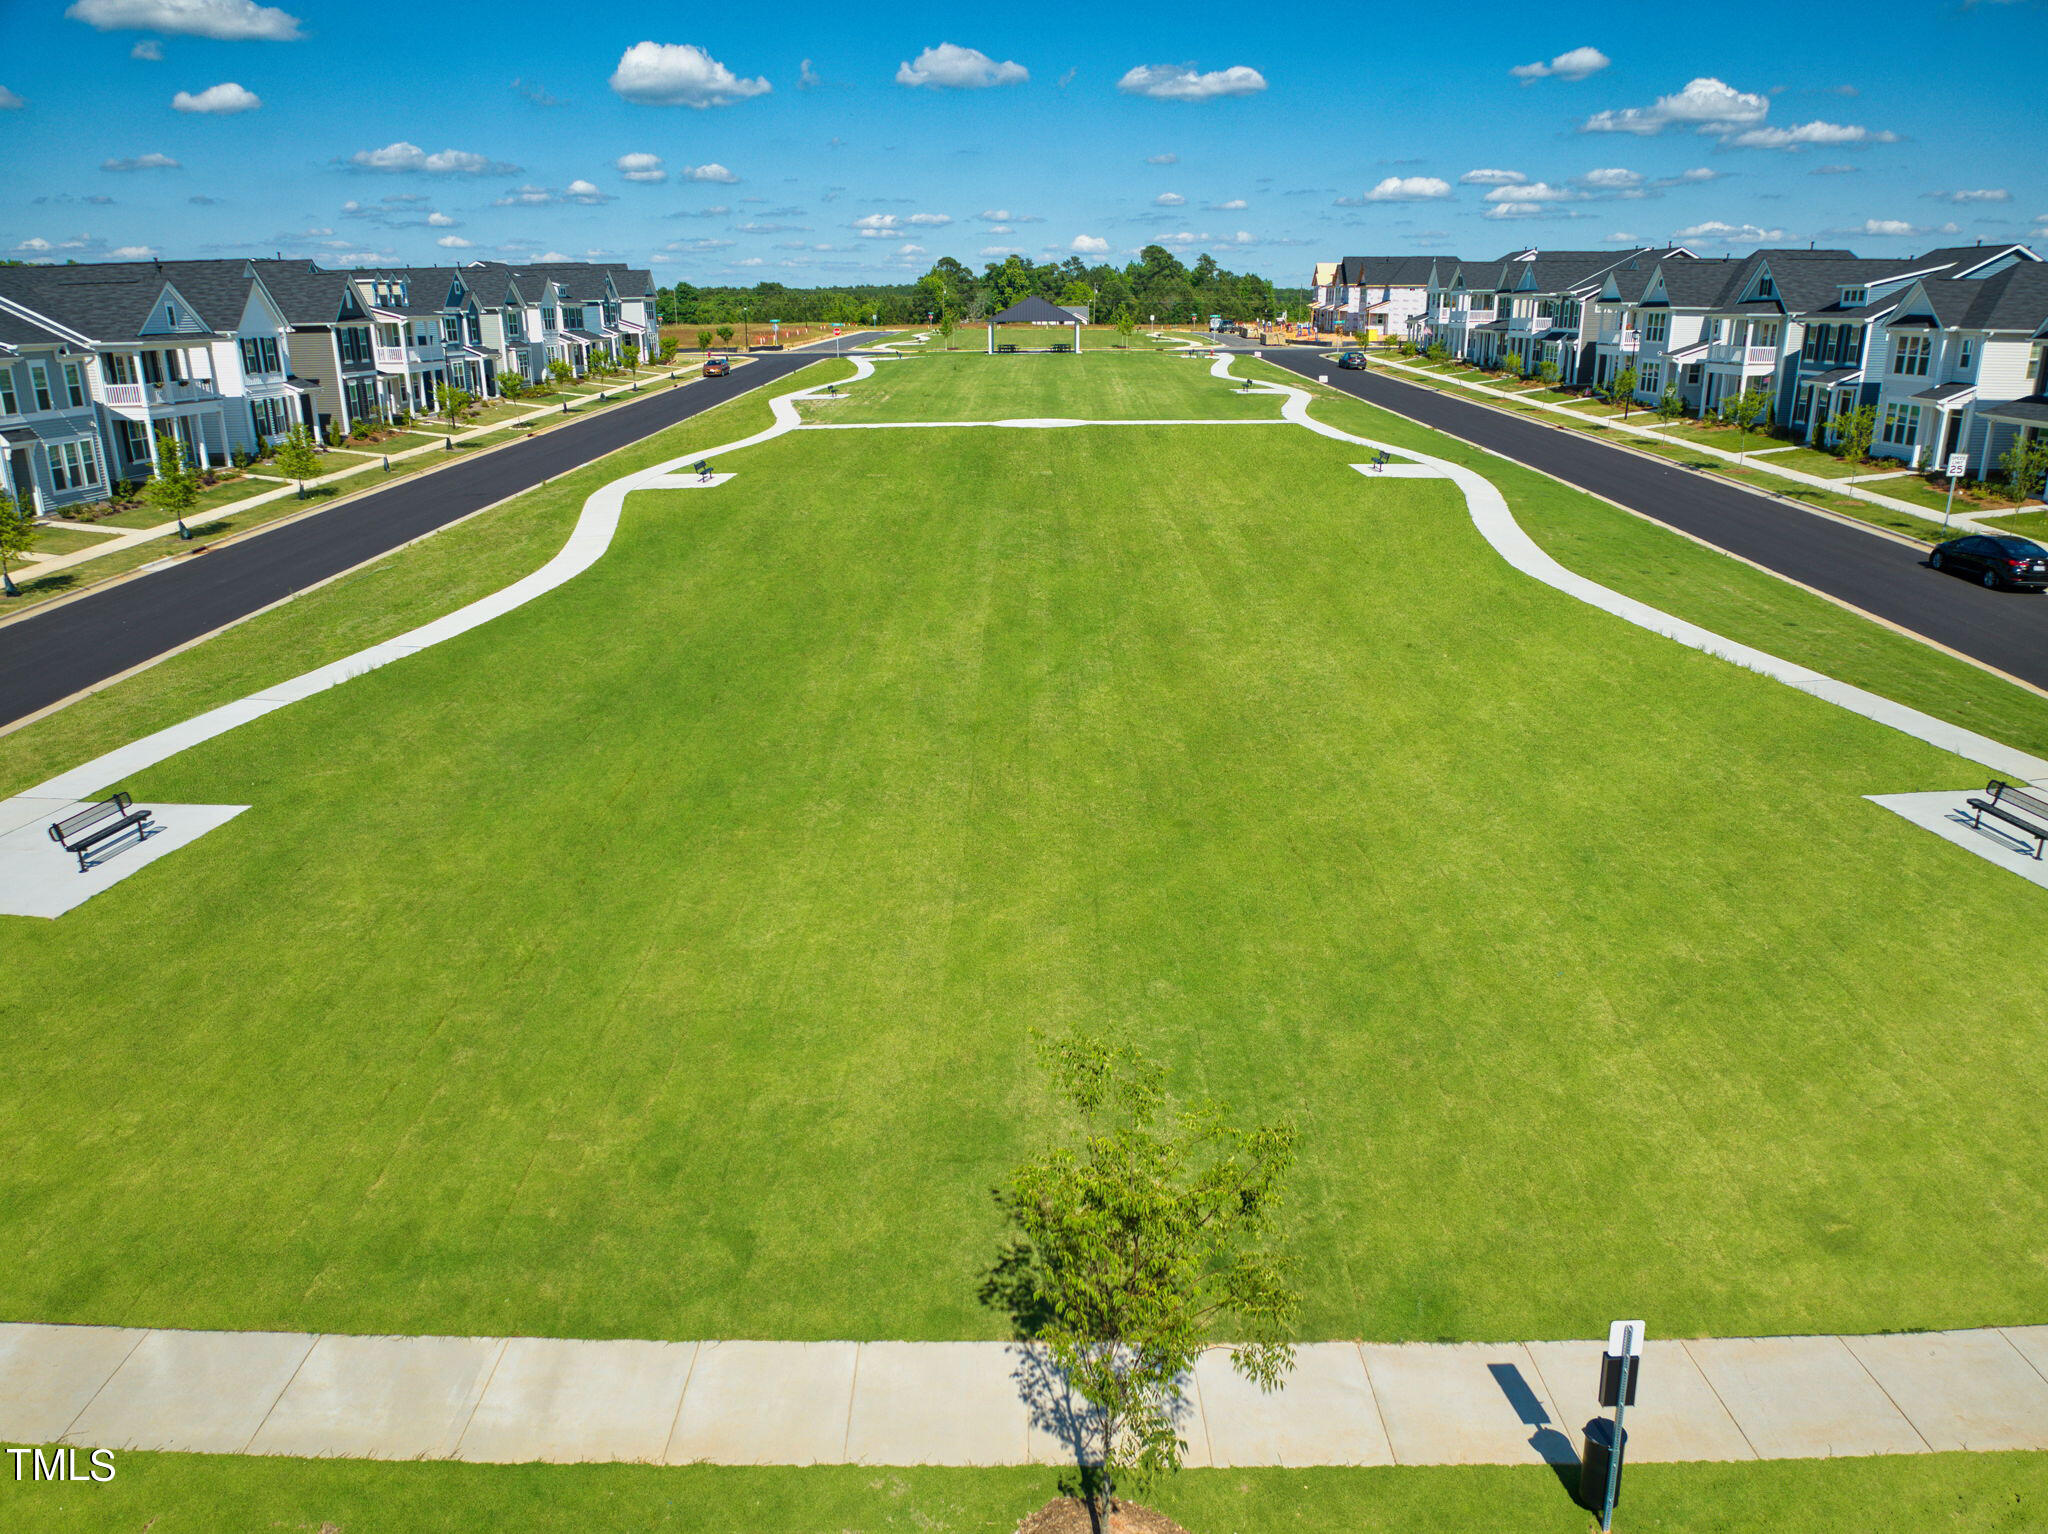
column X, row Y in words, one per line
column 1954, row 359
column 1322, row 301
column 407, row 337
column 330, row 342
column 195, row 350
column 1463, row 312
column 1547, row 307
column 52, row 453
column 1377, row 297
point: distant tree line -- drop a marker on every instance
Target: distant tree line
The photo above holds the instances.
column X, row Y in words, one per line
column 1158, row 283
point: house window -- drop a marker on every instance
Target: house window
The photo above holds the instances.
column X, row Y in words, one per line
column 1802, row 406
column 1816, row 343
column 10, row 404
column 355, row 344
column 1848, row 343
column 1692, row 373
column 74, row 386
column 1713, row 332
column 1910, row 354
column 1765, row 288
column 1854, row 296
column 1963, row 356
column 387, row 335
column 1901, row 424
column 1764, row 335
column 2034, row 363
column 1653, row 378
column 119, row 367
column 171, row 316
column 71, row 468
column 1656, row 327
column 39, row 383
column 134, row 440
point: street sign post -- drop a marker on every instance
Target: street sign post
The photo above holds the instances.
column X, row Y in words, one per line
column 1958, row 466
column 1624, row 1356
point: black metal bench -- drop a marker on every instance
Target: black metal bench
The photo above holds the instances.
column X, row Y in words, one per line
column 1063, row 346
column 104, row 821
column 1005, row 347
column 2004, row 800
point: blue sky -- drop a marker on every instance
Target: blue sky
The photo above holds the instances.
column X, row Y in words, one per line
column 811, row 144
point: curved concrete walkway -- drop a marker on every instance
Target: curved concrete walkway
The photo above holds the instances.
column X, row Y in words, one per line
column 517, row 1399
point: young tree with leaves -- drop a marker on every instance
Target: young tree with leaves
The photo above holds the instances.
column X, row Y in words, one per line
column 2024, row 466
column 559, row 373
column 1126, row 325
column 629, row 356
column 1852, row 431
column 1132, row 1246
column 1670, row 404
column 298, row 457
column 1745, row 410
column 455, row 403
column 1622, row 391
column 512, row 385
column 17, row 532
column 725, row 335
column 174, row 489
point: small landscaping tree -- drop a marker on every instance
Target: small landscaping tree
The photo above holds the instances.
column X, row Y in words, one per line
column 17, row 532
column 629, row 356
column 2024, row 466
column 1547, row 373
column 455, row 403
column 1438, row 352
column 1622, row 390
column 512, row 385
column 703, row 340
column 174, row 488
column 298, row 456
column 668, row 351
column 1517, row 366
column 1852, row 430
column 1126, row 322
column 725, row 335
column 559, row 373
column 1670, row 404
column 1745, row 410
column 1130, row 1247
column 948, row 323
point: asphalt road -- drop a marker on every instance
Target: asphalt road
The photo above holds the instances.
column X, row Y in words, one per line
column 2006, row 629
column 46, row 658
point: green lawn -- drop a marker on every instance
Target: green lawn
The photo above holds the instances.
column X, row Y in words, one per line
column 1917, row 490
column 660, row 959
column 212, row 498
column 1101, row 385
column 67, row 540
column 2028, row 524
column 201, row 1494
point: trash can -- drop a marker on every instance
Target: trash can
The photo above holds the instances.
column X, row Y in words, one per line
column 1593, row 1460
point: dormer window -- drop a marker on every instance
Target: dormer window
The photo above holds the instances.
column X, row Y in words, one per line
column 1855, row 295
column 171, row 315
column 1765, row 288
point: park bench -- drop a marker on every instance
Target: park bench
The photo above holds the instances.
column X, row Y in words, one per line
column 1063, row 346
column 110, row 818
column 1381, row 459
column 1005, row 346
column 2004, row 801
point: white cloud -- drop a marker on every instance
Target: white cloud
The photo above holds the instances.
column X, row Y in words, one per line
column 1712, row 103
column 1622, row 237
column 1492, row 178
column 1612, row 179
column 709, row 172
column 1733, row 234
column 1005, row 216
column 909, row 250
column 877, row 226
column 1001, row 229
column 998, row 250
column 1089, row 244
column 807, row 78
column 1409, row 189
column 404, row 157
column 1244, row 237
column 1180, row 82
column 227, row 21
column 1886, row 226
column 931, row 220
column 698, row 246
column 641, row 167
column 951, row 67
column 142, row 162
column 1981, row 194
column 441, row 221
column 1691, row 177
column 454, row 242
column 1235, row 205
column 133, row 253
column 1518, row 210
column 149, row 50
column 1836, row 170
column 554, row 255
column 1170, row 200
column 1573, row 65
column 223, row 100
column 680, row 75
column 1799, row 135
column 1162, row 159
column 9, row 102
column 535, row 93
column 540, row 196
column 1535, row 191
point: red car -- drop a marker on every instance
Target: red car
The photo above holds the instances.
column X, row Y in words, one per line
column 717, row 367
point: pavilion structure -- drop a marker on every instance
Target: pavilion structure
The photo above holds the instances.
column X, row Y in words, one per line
column 1033, row 311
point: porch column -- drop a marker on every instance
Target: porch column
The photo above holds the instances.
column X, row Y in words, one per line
column 149, row 436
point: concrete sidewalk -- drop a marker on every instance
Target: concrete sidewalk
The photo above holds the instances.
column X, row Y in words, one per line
column 518, row 1399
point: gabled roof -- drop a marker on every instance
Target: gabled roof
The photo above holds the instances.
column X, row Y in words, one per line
column 2015, row 299
column 1971, row 260
column 1032, row 311
column 306, row 294
column 116, row 300
column 1383, row 271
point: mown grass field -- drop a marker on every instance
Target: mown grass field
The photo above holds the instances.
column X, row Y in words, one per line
column 659, row 960
column 200, row 1494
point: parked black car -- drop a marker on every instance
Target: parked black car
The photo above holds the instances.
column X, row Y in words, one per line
column 2002, row 561
column 1351, row 360
column 717, row 367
